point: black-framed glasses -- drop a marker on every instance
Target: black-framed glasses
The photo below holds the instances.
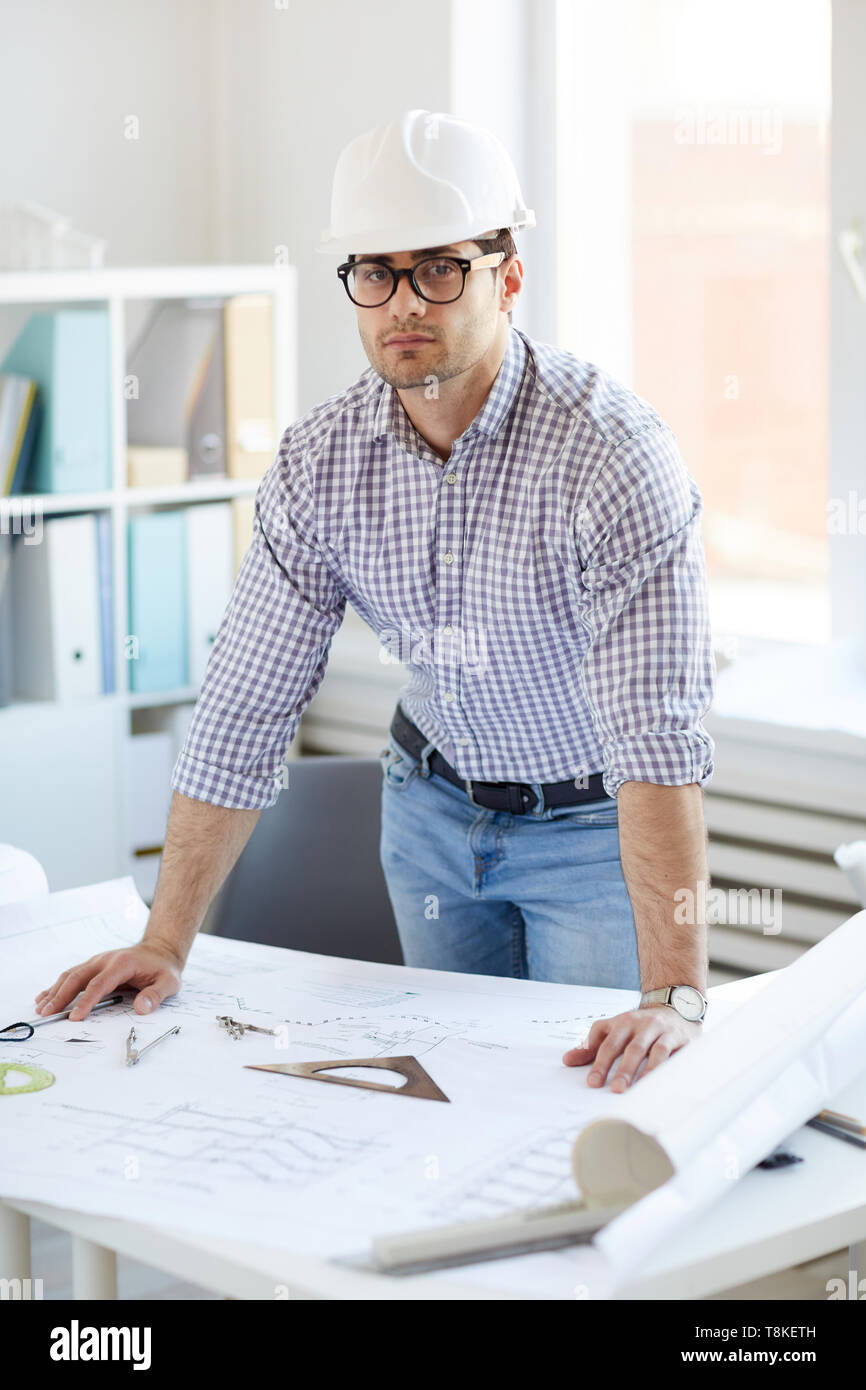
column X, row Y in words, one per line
column 438, row 279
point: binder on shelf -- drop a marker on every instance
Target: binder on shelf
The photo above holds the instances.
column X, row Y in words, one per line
column 67, row 354
column 20, row 418
column 250, row 416
column 6, row 687
column 176, row 721
column 150, row 466
column 206, row 440
column 147, row 793
column 209, row 578
column 147, row 789
column 105, row 580
column 243, row 517
column 176, row 368
column 157, row 646
column 55, row 612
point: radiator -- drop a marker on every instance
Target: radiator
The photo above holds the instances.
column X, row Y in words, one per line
column 778, row 805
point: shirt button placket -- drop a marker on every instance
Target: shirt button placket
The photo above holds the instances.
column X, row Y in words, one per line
column 449, row 600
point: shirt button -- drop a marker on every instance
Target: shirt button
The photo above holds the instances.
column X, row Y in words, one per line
column 462, row 742
column 448, row 558
column 449, row 695
column 451, row 477
column 447, row 631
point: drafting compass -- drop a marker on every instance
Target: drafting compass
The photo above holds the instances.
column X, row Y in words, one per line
column 134, row 1052
column 418, row 1082
column 236, row 1028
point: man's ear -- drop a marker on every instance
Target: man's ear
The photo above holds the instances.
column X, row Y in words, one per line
column 513, row 267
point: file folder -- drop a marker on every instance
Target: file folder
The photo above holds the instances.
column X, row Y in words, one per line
column 251, row 441
column 209, row 560
column 105, row 577
column 55, row 607
column 157, row 641
column 67, row 354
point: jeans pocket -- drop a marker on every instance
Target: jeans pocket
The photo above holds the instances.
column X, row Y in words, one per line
column 398, row 766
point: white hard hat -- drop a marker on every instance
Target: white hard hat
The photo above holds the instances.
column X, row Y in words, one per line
column 424, row 179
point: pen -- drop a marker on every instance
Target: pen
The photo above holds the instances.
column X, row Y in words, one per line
column 839, row 1133
column 14, row 1028
column 832, row 1117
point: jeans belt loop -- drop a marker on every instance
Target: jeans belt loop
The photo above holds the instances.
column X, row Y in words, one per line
column 467, row 781
column 423, row 756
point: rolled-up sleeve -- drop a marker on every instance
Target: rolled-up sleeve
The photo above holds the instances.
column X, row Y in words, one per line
column 649, row 670
column 270, row 652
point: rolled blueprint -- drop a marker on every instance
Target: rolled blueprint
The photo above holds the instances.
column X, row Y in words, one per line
column 852, row 859
column 718, row 1106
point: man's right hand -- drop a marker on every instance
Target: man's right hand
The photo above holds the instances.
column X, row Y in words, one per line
column 202, row 843
column 152, row 968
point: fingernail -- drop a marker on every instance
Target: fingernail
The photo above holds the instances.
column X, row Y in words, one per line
column 594, row 1076
column 147, row 1005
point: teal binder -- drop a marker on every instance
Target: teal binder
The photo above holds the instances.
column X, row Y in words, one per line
column 67, row 354
column 158, row 653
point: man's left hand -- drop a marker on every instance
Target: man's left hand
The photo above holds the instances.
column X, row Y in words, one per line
column 652, row 1034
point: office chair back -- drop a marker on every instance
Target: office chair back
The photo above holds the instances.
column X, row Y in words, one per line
column 309, row 877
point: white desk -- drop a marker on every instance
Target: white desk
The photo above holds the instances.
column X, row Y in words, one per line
column 770, row 1220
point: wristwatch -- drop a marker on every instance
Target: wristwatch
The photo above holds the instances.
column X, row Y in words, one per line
column 686, row 999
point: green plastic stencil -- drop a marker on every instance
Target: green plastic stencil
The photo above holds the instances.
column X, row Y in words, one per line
column 39, row 1078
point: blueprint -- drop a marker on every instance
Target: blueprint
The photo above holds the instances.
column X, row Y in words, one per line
column 195, row 1139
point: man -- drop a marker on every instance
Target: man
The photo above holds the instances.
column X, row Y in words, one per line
column 527, row 523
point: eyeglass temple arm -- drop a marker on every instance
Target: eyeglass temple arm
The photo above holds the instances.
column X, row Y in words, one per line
column 484, row 262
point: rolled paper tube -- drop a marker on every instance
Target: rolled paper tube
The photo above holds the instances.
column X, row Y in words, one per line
column 852, row 860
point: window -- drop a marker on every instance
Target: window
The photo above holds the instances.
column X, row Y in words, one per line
column 693, row 216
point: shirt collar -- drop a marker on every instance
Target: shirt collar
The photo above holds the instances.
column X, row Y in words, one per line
column 391, row 418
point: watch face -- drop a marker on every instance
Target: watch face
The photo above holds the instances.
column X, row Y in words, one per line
column 688, row 1001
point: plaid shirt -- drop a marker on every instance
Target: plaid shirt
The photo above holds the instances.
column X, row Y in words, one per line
column 546, row 586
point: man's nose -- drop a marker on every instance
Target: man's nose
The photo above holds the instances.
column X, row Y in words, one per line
column 405, row 299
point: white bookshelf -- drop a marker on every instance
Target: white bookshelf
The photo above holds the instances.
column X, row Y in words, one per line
column 43, row 725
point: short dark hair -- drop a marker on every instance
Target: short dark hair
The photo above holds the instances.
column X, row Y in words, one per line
column 502, row 241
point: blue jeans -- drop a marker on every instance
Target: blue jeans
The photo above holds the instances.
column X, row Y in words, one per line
column 539, row 896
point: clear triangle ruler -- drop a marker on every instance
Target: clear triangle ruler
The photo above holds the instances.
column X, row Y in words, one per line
column 418, row 1082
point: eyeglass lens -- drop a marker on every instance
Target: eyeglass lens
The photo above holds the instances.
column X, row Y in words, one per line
column 439, row 280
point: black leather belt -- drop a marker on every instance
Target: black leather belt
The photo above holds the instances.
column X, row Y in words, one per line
column 516, row 797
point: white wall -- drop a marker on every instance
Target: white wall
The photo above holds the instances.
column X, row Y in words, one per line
column 502, row 61
column 70, row 75
column 297, row 85
column 244, row 106
column 848, row 318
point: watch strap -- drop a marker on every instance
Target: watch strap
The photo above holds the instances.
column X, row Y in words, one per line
column 656, row 996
